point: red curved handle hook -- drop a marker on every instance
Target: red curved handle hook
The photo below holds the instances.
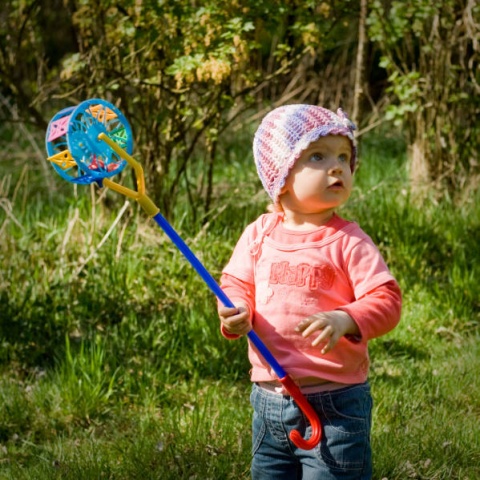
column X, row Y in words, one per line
column 307, row 409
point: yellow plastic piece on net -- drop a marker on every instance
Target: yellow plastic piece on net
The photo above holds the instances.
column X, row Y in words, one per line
column 63, row 159
column 101, row 113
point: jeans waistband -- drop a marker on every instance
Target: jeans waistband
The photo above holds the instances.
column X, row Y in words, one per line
column 279, row 389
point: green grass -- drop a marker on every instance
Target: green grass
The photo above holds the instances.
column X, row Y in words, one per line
column 188, row 429
column 111, row 361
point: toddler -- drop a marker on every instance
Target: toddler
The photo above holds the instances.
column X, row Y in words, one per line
column 315, row 289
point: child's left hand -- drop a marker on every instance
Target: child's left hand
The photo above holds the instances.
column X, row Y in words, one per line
column 334, row 325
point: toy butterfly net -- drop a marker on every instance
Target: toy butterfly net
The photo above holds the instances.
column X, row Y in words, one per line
column 92, row 143
column 74, row 149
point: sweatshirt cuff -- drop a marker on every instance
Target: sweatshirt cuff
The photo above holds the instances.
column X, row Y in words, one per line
column 227, row 335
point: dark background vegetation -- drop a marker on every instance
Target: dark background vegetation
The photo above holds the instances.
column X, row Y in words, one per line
column 184, row 72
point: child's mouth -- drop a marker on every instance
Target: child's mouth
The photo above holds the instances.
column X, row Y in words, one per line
column 337, row 184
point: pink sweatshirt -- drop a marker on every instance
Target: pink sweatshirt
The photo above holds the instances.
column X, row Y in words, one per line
column 285, row 276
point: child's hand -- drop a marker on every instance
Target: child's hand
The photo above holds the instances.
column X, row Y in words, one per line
column 334, row 325
column 235, row 321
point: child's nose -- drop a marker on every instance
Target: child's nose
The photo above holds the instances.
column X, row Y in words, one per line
column 336, row 167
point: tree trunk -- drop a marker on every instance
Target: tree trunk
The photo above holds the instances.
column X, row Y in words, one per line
column 418, row 164
column 359, row 64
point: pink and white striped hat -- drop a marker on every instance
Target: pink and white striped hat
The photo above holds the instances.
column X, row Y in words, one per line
column 288, row 130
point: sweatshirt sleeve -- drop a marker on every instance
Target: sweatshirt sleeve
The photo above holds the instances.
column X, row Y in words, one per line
column 237, row 280
column 378, row 311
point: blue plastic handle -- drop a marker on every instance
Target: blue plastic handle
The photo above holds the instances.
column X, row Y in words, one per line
column 284, row 378
column 215, row 288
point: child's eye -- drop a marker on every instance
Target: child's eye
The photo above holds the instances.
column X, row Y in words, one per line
column 344, row 157
column 316, row 157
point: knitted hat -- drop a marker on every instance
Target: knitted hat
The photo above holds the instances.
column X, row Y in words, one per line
column 285, row 132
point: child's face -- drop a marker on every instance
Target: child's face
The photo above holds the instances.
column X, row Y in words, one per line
column 321, row 179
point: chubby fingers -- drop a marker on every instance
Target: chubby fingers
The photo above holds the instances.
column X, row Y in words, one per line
column 319, row 323
column 235, row 320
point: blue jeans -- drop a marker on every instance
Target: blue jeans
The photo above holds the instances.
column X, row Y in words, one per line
column 343, row 452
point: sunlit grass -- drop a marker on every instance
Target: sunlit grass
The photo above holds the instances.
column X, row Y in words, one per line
column 194, row 429
column 427, row 403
